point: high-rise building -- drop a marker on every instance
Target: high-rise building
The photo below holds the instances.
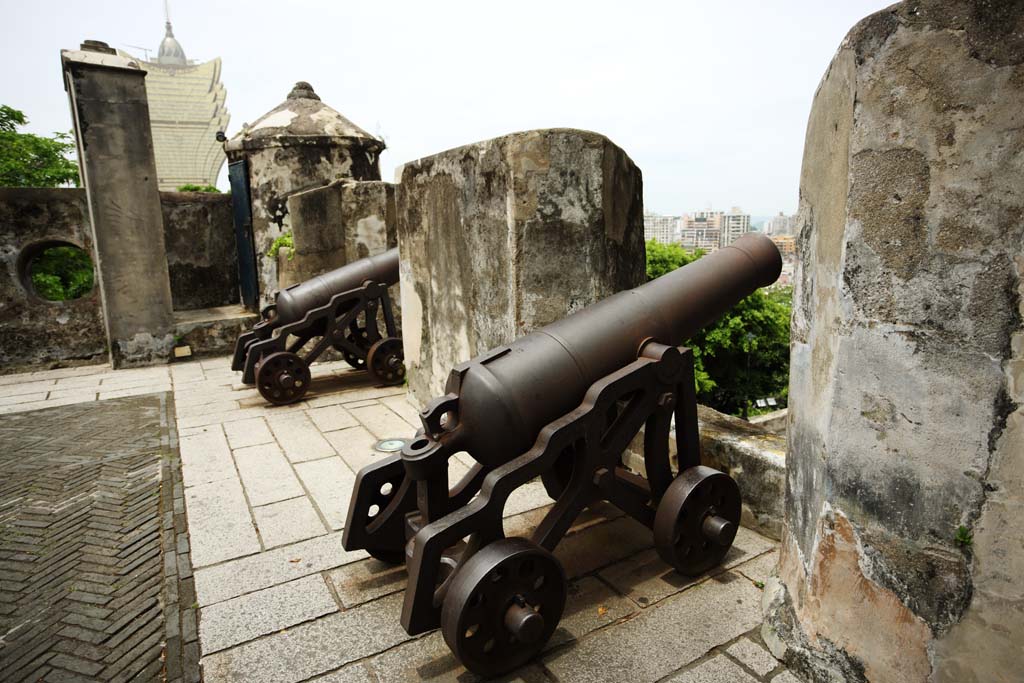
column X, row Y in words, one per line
column 734, row 224
column 701, row 230
column 781, row 225
column 664, row 229
column 186, row 110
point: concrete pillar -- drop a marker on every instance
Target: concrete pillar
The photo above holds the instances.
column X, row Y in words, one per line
column 115, row 155
column 337, row 224
column 300, row 144
column 903, row 548
column 504, row 236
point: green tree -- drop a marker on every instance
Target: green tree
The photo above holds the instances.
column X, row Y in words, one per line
column 745, row 354
column 28, row 160
column 62, row 272
column 198, row 188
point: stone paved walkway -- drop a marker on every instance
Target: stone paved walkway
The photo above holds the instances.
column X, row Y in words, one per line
column 266, row 491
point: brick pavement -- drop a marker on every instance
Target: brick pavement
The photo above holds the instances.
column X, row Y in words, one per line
column 266, row 491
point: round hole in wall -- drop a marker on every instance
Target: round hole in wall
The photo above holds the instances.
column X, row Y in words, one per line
column 56, row 271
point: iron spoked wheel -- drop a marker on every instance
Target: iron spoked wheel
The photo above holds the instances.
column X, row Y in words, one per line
column 502, row 605
column 360, row 337
column 697, row 519
column 386, row 361
column 282, row 378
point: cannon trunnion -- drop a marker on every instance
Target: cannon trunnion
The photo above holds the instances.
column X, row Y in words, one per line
column 338, row 309
column 562, row 403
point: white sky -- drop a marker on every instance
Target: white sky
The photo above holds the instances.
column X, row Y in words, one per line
column 709, row 98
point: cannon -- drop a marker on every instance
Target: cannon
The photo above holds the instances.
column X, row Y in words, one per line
column 338, row 309
column 562, row 403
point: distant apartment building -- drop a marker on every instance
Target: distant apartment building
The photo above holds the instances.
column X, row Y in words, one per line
column 781, row 225
column 701, row 230
column 786, row 245
column 664, row 229
column 735, row 223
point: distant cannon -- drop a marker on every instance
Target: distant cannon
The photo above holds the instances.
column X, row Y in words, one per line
column 338, row 309
column 562, row 403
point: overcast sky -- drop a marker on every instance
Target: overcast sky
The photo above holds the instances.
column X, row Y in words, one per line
column 709, row 98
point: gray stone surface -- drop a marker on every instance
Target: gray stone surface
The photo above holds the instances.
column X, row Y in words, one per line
column 665, row 637
column 251, row 432
column 718, row 669
column 287, row 521
column 591, row 604
column 360, row 582
column 489, row 235
column 299, row 438
column 309, row 649
column 265, row 611
column 110, row 113
column 219, row 524
column 202, row 257
column 329, row 481
column 331, row 418
column 753, row 656
column 34, row 331
column 353, row 673
column 247, row 574
column 907, row 354
column 429, row 659
column 266, row 474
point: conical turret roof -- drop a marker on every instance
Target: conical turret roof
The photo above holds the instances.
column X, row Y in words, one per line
column 302, row 119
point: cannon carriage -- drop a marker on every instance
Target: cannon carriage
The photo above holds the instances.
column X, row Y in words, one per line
column 341, row 309
column 562, row 403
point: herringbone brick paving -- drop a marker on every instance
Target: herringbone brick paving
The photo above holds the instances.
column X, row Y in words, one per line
column 83, row 535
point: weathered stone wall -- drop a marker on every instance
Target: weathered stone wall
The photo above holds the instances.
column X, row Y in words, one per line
column 34, row 331
column 202, row 257
column 337, row 224
column 504, row 236
column 907, row 376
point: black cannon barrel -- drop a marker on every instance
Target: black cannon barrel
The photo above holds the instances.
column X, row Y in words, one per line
column 507, row 398
column 295, row 301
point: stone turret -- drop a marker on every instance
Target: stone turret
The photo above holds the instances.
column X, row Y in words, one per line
column 298, row 145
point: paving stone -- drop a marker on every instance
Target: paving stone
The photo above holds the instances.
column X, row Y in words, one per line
column 590, row 604
column 266, row 474
column 287, row 563
column 601, row 545
column 135, row 391
column 429, row 659
column 525, row 523
column 715, row 670
column 382, row 422
column 645, row 578
column 219, row 524
column 753, row 656
column 299, row 438
column 353, row 673
column 287, row 522
column 23, row 398
column 251, row 432
column 330, row 483
column 298, row 653
column 77, row 394
column 404, row 409
column 24, row 386
column 665, row 637
column 761, row 567
column 527, row 497
column 255, row 614
column 206, row 457
column 331, row 418
column 367, row 580
column 221, row 406
column 355, row 446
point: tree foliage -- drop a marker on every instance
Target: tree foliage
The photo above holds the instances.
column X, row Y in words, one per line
column 190, row 187
column 742, row 357
column 28, row 160
column 62, row 273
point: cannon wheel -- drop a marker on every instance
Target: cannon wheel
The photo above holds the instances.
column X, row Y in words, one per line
column 697, row 519
column 386, row 361
column 502, row 606
column 282, row 378
column 359, row 337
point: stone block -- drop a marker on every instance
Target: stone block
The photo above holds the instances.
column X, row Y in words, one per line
column 202, row 257
column 753, row 656
column 264, row 611
column 367, row 580
column 280, row 565
column 504, row 236
column 251, row 432
column 219, row 524
column 429, row 659
column 206, row 457
column 266, row 474
column 330, row 483
column 287, row 522
column 299, row 438
column 718, row 669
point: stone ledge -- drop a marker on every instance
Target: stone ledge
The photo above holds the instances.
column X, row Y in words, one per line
column 752, row 455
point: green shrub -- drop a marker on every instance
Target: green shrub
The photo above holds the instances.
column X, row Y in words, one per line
column 62, row 273
column 197, row 188
column 285, row 240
